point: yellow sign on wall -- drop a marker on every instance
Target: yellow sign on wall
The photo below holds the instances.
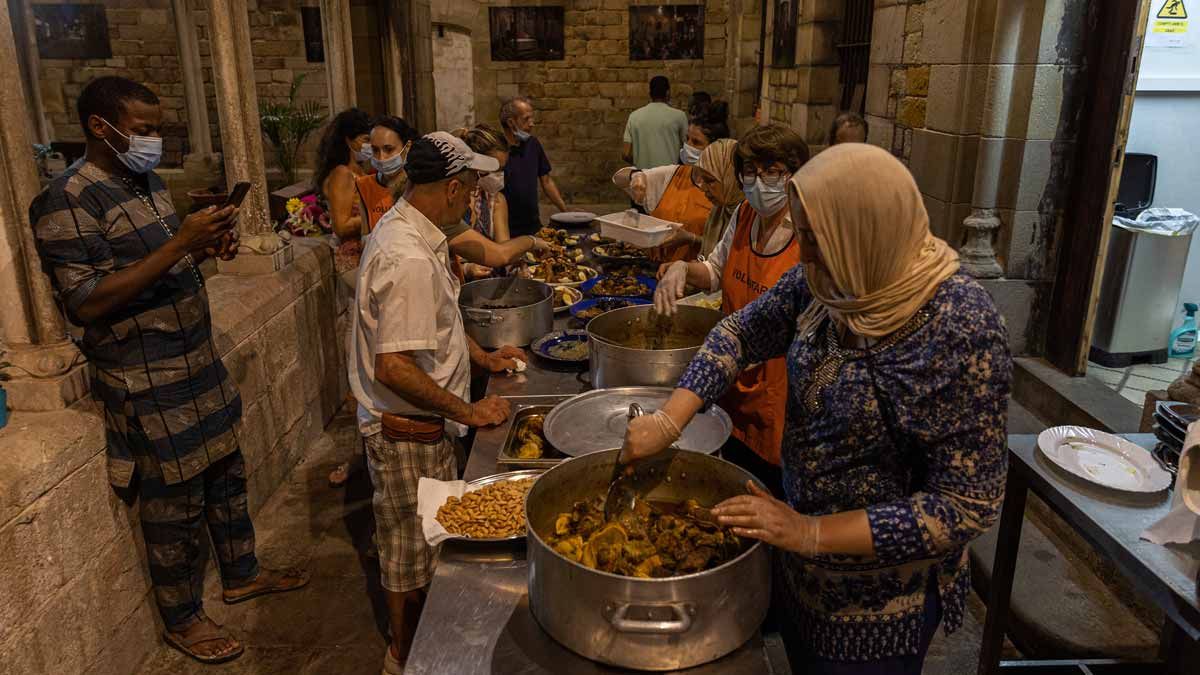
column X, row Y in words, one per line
column 1170, row 25
column 1172, row 9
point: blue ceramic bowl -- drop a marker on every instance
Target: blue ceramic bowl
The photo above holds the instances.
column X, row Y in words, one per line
column 592, row 302
column 649, row 282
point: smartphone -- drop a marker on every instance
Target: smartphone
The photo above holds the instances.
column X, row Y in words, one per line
column 237, row 194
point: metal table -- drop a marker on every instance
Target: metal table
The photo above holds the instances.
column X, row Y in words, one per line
column 477, row 617
column 1111, row 521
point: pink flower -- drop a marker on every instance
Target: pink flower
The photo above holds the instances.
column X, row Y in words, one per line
column 309, row 199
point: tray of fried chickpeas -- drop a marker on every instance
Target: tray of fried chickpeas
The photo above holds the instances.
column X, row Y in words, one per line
column 488, row 509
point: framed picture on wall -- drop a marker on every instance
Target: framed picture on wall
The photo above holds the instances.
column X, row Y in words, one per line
column 526, row 33
column 71, row 32
column 666, row 32
column 314, row 41
column 783, row 44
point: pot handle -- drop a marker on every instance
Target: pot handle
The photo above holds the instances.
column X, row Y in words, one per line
column 681, row 622
column 483, row 317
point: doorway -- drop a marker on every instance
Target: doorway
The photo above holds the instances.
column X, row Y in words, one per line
column 366, row 17
column 453, row 76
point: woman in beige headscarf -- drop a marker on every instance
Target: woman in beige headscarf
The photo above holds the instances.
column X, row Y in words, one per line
column 718, row 179
column 893, row 454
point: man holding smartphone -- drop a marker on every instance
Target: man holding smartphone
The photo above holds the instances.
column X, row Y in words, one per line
column 126, row 269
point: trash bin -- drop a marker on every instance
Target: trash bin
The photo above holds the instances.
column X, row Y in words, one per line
column 1139, row 293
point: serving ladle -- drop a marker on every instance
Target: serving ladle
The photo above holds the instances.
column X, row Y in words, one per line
column 629, row 480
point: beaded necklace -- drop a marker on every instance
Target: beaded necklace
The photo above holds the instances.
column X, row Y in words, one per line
column 149, row 204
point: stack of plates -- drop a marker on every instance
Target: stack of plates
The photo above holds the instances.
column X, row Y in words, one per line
column 1171, row 420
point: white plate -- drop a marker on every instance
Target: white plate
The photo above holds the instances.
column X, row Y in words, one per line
column 1103, row 459
column 576, row 296
column 590, row 272
column 573, row 217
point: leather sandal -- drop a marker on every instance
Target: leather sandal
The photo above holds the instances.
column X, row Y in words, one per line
column 209, row 632
column 290, row 579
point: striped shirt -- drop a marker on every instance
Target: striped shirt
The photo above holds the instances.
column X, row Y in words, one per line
column 164, row 389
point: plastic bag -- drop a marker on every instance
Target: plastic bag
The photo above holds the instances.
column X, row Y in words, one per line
column 1161, row 220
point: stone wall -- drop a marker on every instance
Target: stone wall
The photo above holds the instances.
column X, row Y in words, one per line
column 978, row 97
column 584, row 100
column 805, row 96
column 143, row 39
column 76, row 594
column 454, row 77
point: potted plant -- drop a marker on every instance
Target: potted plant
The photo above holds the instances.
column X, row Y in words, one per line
column 287, row 125
column 4, row 377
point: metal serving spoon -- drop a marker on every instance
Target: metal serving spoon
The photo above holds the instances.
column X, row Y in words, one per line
column 637, row 477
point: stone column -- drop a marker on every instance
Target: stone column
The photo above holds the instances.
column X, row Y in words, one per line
column 408, row 59
column 30, row 67
column 49, row 371
column 339, row 54
column 237, row 109
column 200, row 161
column 978, row 256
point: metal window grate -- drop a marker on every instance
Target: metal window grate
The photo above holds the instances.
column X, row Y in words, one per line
column 854, row 53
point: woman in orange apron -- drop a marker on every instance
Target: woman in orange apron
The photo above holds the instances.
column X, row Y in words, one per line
column 749, row 259
column 390, row 139
column 674, row 193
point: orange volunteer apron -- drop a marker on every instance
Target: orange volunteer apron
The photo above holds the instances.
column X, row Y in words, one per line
column 758, row 400
column 685, row 204
column 377, row 199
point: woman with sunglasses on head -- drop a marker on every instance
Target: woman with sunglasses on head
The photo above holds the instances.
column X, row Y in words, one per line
column 894, row 450
column 674, row 193
column 755, row 250
column 488, row 214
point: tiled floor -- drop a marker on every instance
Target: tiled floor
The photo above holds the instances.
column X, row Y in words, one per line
column 1133, row 382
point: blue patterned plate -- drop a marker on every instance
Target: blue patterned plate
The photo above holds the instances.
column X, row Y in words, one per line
column 562, row 346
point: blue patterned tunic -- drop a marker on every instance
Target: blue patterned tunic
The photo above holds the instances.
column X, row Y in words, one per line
column 913, row 431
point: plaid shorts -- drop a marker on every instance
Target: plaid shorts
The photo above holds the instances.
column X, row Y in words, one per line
column 406, row 562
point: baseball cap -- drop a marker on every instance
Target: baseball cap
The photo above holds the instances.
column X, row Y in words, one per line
column 439, row 155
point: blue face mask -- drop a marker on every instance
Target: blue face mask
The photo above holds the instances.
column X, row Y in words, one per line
column 766, row 198
column 144, row 153
column 388, row 167
column 522, row 135
column 363, row 154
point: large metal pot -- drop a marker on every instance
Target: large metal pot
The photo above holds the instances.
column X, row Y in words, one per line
column 506, row 311
column 622, row 356
column 648, row 624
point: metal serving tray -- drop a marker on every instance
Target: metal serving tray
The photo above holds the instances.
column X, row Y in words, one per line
column 507, row 456
column 478, row 483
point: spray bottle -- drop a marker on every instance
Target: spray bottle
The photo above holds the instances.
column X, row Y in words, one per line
column 1183, row 339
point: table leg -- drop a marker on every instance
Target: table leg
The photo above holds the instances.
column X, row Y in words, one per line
column 1004, row 566
column 1178, row 652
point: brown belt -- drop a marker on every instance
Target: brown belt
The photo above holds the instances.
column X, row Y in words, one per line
column 426, row 430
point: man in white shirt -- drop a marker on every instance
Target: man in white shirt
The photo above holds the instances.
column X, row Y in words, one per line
column 410, row 366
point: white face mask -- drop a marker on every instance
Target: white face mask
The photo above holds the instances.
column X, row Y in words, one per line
column 144, row 153
column 766, row 198
column 522, row 135
column 689, row 155
column 363, row 154
column 388, row 167
column 493, row 182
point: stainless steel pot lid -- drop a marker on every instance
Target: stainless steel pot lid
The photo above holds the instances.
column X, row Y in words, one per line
column 596, row 421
